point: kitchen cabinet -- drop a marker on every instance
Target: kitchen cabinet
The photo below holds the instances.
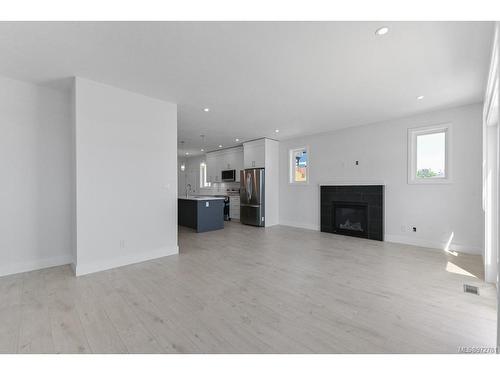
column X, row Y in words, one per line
column 233, row 159
column 218, row 161
column 217, row 167
column 211, row 166
column 201, row 213
column 254, row 154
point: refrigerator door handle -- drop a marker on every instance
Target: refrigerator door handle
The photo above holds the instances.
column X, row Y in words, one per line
column 250, row 205
column 249, row 186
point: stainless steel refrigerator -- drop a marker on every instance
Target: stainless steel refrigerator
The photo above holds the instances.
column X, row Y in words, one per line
column 252, row 203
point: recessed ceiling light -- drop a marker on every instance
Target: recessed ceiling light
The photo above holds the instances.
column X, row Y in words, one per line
column 206, row 109
column 202, row 150
column 276, row 130
column 237, row 140
column 382, row 31
column 187, row 153
column 420, row 97
column 220, row 146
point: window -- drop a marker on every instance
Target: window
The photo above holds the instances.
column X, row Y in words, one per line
column 428, row 154
column 203, row 176
column 299, row 166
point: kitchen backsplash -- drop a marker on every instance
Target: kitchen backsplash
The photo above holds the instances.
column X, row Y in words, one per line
column 191, row 176
column 220, row 188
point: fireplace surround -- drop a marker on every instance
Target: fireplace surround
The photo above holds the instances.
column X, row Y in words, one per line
column 353, row 210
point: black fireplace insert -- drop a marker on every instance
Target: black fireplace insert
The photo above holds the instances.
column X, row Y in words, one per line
column 353, row 210
column 350, row 218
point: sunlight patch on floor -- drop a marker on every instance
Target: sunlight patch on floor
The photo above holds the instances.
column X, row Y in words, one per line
column 453, row 268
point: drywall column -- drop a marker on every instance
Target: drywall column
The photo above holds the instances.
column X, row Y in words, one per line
column 126, row 177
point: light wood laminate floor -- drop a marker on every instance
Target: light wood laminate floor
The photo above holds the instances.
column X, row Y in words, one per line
column 255, row 290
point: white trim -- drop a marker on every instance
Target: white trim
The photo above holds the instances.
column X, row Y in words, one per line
column 35, row 265
column 404, row 240
column 413, row 133
column 492, row 84
column 434, row 245
column 491, row 167
column 106, row 264
column 291, row 166
column 287, row 223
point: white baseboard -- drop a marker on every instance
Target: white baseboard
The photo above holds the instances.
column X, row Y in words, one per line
column 432, row 244
column 106, row 264
column 407, row 240
column 299, row 225
column 36, row 264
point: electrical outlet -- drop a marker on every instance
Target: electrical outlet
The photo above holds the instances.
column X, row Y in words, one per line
column 122, row 243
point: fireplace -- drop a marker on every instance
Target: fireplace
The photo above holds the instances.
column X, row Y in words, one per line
column 350, row 218
column 353, row 210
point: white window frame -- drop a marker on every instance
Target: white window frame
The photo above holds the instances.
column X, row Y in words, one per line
column 203, row 176
column 413, row 133
column 291, row 166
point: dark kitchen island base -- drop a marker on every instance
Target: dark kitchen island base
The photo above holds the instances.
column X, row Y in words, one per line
column 203, row 214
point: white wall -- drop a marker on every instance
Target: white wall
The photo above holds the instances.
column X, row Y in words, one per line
column 36, row 169
column 126, row 177
column 436, row 210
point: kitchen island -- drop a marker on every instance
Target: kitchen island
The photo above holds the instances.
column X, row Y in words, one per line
column 202, row 213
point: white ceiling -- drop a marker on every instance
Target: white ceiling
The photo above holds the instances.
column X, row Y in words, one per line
column 300, row 77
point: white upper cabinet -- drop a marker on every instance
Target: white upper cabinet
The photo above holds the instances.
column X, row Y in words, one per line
column 218, row 161
column 254, row 154
column 210, row 161
column 233, row 159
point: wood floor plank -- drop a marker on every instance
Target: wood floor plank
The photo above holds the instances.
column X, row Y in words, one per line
column 10, row 323
column 35, row 334
column 131, row 330
column 256, row 290
column 67, row 329
column 10, row 312
column 101, row 334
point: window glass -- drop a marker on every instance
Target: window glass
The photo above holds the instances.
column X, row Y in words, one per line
column 431, row 155
column 203, row 176
column 299, row 164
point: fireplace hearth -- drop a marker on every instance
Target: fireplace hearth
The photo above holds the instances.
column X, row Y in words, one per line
column 353, row 210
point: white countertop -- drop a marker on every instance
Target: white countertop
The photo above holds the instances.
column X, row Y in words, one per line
column 201, row 198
